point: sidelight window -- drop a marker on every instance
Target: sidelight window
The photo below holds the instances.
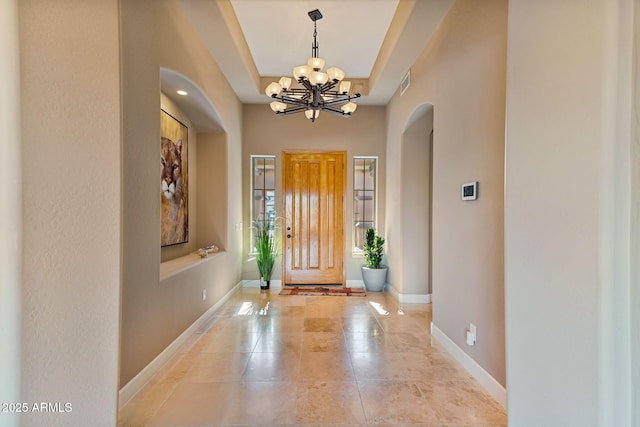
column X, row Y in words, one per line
column 263, row 190
column 364, row 199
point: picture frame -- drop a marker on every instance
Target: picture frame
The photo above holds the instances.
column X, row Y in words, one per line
column 470, row 191
column 174, row 185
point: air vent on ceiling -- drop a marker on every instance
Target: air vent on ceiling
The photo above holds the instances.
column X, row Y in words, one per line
column 406, row 81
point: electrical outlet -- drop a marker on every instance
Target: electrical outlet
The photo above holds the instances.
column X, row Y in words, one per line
column 471, row 335
column 204, row 295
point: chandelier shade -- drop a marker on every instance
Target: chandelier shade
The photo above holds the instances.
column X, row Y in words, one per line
column 316, row 90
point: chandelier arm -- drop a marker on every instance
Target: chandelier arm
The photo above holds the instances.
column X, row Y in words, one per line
column 291, row 111
column 329, row 85
column 337, row 101
column 291, row 95
column 336, row 94
column 306, row 83
column 337, row 112
column 294, row 101
column 300, row 95
column 295, row 90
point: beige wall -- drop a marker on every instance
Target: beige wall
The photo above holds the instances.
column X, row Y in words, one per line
column 10, row 211
column 567, row 213
column 461, row 73
column 71, row 146
column 154, row 35
column 635, row 223
column 212, row 184
column 363, row 134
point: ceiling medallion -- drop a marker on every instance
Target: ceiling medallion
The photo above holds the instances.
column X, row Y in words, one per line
column 320, row 91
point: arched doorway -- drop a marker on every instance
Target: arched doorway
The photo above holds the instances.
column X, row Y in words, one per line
column 417, row 184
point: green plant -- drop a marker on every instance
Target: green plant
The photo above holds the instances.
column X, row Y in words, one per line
column 265, row 247
column 373, row 247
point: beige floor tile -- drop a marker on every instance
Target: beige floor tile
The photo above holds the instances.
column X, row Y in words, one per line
column 270, row 342
column 364, row 342
column 366, row 323
column 282, row 324
column 403, row 403
column 227, row 341
column 463, row 402
column 210, row 367
column 328, row 366
column 261, row 403
column 322, row 324
column 401, row 324
column 411, row 341
column 144, row 405
column 329, row 402
column 194, row 404
column 282, row 366
column 422, row 367
column 287, row 311
column 380, row 366
column 323, row 341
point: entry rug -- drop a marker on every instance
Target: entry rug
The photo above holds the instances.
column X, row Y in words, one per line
column 337, row 291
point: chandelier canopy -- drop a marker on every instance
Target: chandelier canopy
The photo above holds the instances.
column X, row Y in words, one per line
column 327, row 91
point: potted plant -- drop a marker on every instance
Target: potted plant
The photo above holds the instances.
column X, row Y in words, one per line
column 373, row 274
column 265, row 248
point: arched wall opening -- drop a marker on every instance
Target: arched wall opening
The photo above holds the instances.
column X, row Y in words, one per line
column 416, row 187
column 207, row 164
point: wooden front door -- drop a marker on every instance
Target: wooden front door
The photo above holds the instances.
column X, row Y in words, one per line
column 313, row 186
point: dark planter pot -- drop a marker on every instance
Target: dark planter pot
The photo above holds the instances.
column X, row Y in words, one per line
column 374, row 278
column 264, row 285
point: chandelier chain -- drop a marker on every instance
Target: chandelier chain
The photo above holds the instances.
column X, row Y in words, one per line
column 314, row 47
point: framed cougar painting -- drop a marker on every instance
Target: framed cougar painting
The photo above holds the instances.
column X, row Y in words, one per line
column 173, row 181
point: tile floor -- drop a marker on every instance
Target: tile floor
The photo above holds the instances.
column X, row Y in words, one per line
column 272, row 360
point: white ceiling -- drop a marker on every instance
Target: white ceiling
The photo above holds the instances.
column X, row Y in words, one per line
column 280, row 33
column 256, row 41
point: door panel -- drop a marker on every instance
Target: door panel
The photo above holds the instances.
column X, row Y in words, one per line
column 314, row 185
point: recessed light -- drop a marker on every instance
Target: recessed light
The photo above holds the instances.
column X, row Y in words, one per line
column 182, row 92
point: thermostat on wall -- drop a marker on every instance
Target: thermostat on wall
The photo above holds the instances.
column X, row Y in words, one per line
column 470, row 191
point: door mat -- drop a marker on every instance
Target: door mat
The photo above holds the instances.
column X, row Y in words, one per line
column 337, row 291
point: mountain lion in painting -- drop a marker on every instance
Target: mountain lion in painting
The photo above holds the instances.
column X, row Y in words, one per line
column 173, row 204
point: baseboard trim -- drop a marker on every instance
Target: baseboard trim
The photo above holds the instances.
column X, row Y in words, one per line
column 256, row 283
column 135, row 385
column 355, row 283
column 493, row 387
column 409, row 298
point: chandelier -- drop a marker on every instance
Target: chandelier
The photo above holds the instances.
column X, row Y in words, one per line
column 319, row 90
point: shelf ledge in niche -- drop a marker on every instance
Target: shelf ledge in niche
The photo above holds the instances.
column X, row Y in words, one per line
column 178, row 265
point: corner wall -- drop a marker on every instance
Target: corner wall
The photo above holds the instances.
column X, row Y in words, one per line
column 567, row 213
column 158, row 35
column 462, row 72
column 10, row 211
column 635, row 222
column 71, row 181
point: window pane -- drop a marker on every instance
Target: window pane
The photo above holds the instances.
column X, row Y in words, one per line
column 364, row 199
column 264, row 192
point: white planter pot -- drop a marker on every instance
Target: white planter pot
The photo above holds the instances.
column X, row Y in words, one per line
column 374, row 278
